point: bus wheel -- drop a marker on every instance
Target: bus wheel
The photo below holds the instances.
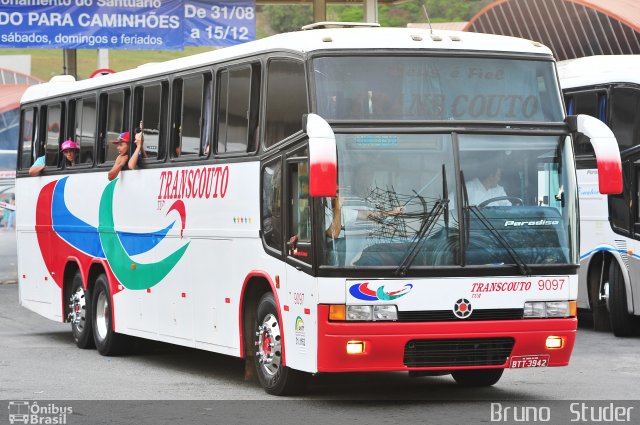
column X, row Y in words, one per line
column 621, row 320
column 275, row 378
column 108, row 342
column 80, row 313
column 478, row 377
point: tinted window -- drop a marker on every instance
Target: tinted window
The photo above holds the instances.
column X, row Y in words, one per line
column 189, row 136
column 27, row 137
column 85, row 128
column 114, row 107
column 152, row 109
column 286, row 100
column 54, row 118
column 238, row 102
column 624, row 116
column 271, row 204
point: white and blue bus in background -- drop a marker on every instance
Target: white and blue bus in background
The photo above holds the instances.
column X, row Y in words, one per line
column 608, row 88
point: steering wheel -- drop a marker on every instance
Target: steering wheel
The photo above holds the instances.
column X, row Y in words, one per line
column 513, row 199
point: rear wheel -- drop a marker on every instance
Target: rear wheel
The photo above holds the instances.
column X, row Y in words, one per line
column 477, row 378
column 80, row 313
column 274, row 377
column 108, row 342
column 621, row 320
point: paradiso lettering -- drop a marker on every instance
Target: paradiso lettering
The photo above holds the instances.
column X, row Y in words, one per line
column 201, row 183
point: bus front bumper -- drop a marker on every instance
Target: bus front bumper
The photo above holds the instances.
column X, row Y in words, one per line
column 398, row 346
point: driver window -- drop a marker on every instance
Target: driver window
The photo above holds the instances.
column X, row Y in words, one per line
column 299, row 235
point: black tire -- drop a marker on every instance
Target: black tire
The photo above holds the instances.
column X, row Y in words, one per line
column 478, row 377
column 599, row 312
column 621, row 320
column 275, row 378
column 108, row 342
column 80, row 313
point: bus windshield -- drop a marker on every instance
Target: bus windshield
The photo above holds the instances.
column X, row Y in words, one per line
column 403, row 198
column 436, row 88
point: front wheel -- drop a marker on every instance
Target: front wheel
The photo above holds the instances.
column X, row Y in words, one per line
column 80, row 313
column 478, row 377
column 275, row 378
column 108, row 342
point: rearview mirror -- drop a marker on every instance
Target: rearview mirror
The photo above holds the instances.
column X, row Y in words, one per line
column 606, row 149
column 323, row 162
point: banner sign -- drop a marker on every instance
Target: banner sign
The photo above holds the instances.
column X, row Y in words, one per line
column 125, row 24
column 219, row 23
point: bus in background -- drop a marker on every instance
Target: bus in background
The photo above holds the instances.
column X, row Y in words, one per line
column 330, row 200
column 608, row 88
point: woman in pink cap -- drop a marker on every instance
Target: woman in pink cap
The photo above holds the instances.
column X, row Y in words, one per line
column 68, row 149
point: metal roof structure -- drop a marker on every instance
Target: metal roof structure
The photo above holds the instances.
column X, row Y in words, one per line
column 570, row 28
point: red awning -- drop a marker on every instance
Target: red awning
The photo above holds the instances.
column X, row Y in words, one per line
column 10, row 95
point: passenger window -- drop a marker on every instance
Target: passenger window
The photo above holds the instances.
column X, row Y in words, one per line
column 272, row 204
column 113, row 124
column 52, row 147
column 624, row 119
column 189, row 135
column 27, row 136
column 238, row 106
column 151, row 111
column 286, row 100
column 85, row 128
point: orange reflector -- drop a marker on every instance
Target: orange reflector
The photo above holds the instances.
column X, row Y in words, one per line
column 555, row 342
column 573, row 308
column 355, row 347
column 337, row 312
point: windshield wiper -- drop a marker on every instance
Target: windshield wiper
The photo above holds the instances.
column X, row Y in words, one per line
column 425, row 229
column 522, row 266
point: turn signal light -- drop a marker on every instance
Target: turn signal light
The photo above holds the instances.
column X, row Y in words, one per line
column 337, row 312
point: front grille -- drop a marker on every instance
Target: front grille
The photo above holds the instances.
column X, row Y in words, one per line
column 447, row 315
column 457, row 352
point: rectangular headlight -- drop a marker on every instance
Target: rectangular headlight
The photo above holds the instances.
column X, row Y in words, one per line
column 385, row 312
column 359, row 312
column 534, row 309
column 558, row 309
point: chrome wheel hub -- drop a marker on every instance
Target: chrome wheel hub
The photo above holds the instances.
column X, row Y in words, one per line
column 102, row 317
column 78, row 309
column 269, row 345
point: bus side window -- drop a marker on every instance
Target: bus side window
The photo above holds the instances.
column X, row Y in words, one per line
column 189, row 136
column 54, row 134
column 27, row 136
column 151, row 108
column 238, row 107
column 114, row 109
column 85, row 128
column 272, row 204
column 286, row 100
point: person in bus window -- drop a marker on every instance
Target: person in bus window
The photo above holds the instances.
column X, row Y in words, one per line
column 69, row 149
column 123, row 161
column 38, row 166
column 486, row 187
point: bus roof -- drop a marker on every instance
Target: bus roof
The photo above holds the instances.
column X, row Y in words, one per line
column 599, row 69
column 305, row 42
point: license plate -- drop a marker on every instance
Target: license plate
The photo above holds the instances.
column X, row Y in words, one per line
column 538, row 360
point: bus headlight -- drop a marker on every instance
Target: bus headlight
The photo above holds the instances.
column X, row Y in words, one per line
column 367, row 313
column 542, row 309
column 385, row 312
column 359, row 312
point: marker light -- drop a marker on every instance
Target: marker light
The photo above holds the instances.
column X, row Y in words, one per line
column 355, row 347
column 555, row 342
